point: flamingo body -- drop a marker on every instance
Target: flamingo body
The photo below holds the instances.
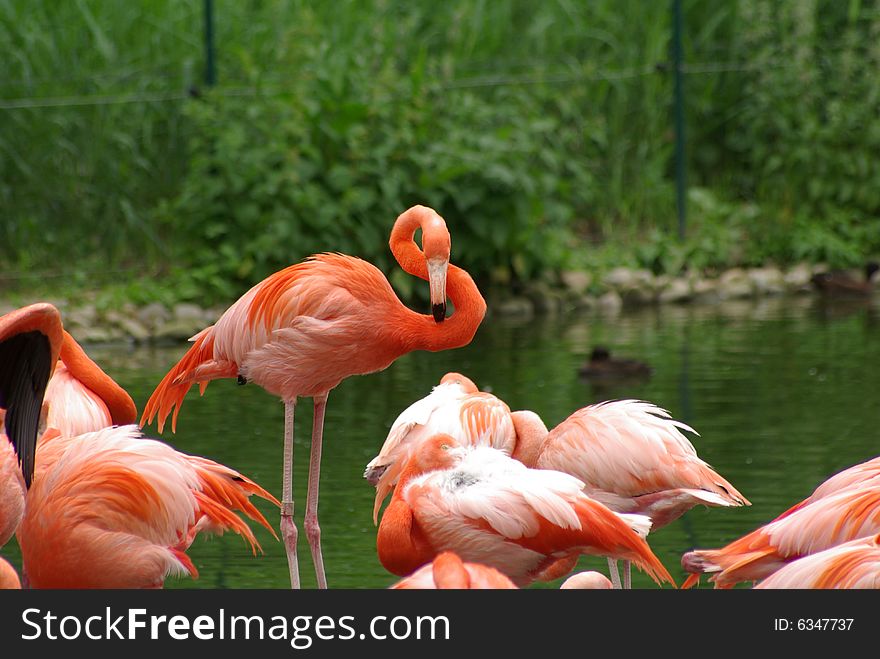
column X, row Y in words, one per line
column 491, row 509
column 454, row 407
column 113, row 509
column 631, row 456
column 12, row 491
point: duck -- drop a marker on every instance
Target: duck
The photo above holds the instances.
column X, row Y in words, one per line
column 842, row 283
column 602, row 365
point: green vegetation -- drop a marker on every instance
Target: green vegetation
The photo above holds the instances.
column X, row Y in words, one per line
column 541, row 131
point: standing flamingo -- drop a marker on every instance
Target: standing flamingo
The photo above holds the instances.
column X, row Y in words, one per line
column 304, row 329
column 631, row 455
column 113, row 509
column 854, row 564
column 454, row 407
column 491, row 509
column 843, row 508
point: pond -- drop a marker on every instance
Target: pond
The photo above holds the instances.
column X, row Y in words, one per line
column 783, row 391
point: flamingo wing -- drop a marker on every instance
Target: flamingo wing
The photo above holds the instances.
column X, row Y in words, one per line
column 627, row 448
column 852, row 565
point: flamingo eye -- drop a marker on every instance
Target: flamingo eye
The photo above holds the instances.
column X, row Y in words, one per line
column 444, row 447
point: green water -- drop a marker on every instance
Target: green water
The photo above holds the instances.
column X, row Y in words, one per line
column 784, row 392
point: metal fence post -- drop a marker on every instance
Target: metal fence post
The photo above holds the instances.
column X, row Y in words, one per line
column 210, row 72
column 680, row 170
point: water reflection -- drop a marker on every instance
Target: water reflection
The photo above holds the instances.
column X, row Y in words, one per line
column 782, row 391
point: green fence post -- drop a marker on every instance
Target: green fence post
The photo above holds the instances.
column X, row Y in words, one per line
column 210, row 72
column 679, row 118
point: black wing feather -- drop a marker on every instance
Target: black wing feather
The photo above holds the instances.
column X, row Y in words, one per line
column 25, row 367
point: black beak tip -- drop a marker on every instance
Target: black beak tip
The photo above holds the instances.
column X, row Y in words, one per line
column 439, row 312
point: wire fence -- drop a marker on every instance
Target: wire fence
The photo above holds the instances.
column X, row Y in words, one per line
column 273, row 85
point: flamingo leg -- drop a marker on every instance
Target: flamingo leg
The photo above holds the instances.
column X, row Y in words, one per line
column 313, row 530
column 627, row 575
column 613, row 573
column 288, row 526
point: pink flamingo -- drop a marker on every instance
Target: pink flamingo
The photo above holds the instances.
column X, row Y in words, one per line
column 113, row 509
column 448, row 571
column 81, row 397
column 843, row 508
column 454, row 407
column 30, row 343
column 631, row 456
column 491, row 509
column 8, row 576
column 854, row 564
column 304, row 329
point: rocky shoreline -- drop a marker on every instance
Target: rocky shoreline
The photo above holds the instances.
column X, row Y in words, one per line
column 577, row 291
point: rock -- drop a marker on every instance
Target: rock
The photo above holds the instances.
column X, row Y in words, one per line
column 515, row 306
column 797, row 280
column 188, row 311
column 153, row 315
column 734, row 283
column 129, row 325
column 577, row 281
column 676, row 290
column 544, row 298
column 84, row 316
column 705, row 290
column 767, row 281
column 104, row 334
column 626, row 279
column 610, row 302
column 177, row 330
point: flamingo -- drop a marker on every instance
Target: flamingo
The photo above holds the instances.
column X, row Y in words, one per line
column 448, row 571
column 843, row 508
column 492, row 509
column 304, row 329
column 81, row 397
column 631, row 456
column 114, row 509
column 854, row 564
column 30, row 343
column 588, row 580
column 8, row 576
column 454, row 407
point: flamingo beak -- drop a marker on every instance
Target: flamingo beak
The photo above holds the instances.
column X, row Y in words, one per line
column 437, row 283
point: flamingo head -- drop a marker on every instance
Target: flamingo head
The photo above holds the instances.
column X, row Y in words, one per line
column 436, row 246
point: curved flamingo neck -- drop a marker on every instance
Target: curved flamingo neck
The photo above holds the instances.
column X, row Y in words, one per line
column 420, row 331
column 531, row 434
column 404, row 248
column 401, row 546
column 119, row 403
